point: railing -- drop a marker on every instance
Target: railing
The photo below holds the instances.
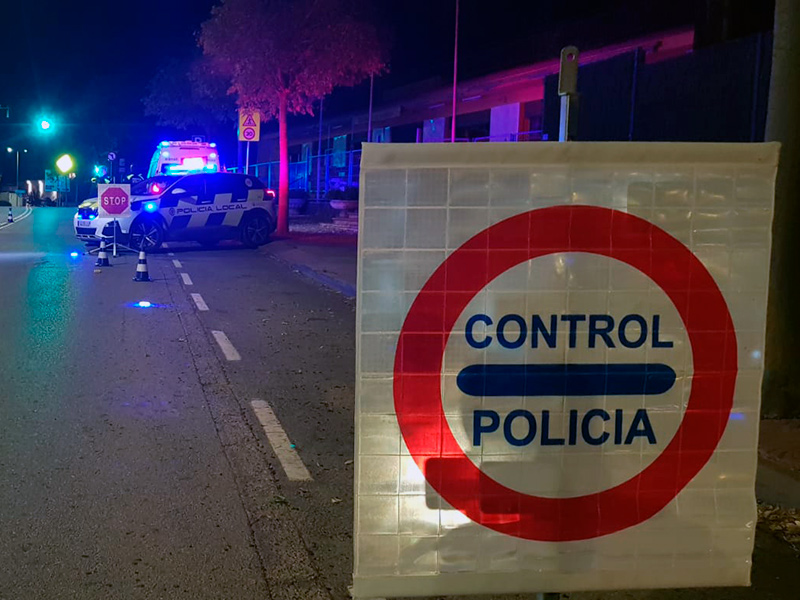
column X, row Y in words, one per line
column 523, row 136
column 319, row 174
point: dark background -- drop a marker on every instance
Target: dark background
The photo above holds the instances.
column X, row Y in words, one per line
column 87, row 64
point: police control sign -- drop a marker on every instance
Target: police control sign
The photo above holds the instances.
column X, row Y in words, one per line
column 559, row 358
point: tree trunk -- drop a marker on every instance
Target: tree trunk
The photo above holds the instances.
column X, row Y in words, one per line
column 781, row 389
column 283, row 176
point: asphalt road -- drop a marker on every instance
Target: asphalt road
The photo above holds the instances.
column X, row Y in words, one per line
column 199, row 448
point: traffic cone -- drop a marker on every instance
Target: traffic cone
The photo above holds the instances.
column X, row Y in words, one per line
column 102, row 256
column 141, row 268
column 10, row 215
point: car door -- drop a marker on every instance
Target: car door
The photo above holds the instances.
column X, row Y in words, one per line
column 183, row 206
column 221, row 220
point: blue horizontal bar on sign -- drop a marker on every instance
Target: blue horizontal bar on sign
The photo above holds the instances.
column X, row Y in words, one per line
column 566, row 379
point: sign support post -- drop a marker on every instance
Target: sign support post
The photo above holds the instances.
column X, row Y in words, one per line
column 568, row 91
column 114, row 202
column 249, row 131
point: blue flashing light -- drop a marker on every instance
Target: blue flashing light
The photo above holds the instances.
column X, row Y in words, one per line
column 213, row 144
column 144, row 304
column 150, row 207
column 74, row 254
column 165, row 143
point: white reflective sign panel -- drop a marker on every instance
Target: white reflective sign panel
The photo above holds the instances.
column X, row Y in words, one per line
column 559, row 359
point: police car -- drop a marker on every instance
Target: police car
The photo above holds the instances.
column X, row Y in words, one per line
column 205, row 208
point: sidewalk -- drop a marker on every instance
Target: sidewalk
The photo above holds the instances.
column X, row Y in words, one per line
column 319, row 252
column 328, row 257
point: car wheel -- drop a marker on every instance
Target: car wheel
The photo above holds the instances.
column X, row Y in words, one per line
column 255, row 230
column 146, row 234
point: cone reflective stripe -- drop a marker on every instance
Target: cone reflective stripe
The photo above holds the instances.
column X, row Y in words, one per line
column 10, row 215
column 102, row 256
column 141, row 268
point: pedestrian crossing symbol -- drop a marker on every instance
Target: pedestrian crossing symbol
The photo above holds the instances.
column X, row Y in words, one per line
column 249, row 125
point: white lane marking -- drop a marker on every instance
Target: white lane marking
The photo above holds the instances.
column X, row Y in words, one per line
column 170, row 254
column 225, row 345
column 177, row 263
column 198, row 300
column 290, row 461
column 186, row 279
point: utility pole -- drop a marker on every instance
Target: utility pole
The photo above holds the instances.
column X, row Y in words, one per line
column 781, row 388
column 319, row 148
column 455, row 80
column 369, row 117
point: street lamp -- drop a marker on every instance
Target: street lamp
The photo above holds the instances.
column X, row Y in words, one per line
column 45, row 124
column 9, row 149
column 65, row 163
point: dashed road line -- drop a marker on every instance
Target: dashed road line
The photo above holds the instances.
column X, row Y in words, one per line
column 170, row 254
column 186, row 279
column 198, row 300
column 225, row 345
column 177, row 263
column 289, row 458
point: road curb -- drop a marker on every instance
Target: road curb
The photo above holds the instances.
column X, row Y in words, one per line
column 339, row 286
column 346, row 289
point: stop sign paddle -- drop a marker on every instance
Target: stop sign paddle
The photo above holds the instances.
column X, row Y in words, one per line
column 114, row 199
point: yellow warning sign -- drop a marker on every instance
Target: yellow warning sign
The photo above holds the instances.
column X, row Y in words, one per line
column 249, row 125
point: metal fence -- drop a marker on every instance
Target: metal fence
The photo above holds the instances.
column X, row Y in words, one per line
column 319, row 174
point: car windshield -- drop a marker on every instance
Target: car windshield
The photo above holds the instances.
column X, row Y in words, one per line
column 153, row 185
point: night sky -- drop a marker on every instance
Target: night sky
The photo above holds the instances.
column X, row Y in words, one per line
column 87, row 63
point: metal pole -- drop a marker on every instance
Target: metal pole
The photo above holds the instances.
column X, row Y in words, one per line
column 369, row 118
column 114, row 254
column 563, row 122
column 455, row 80
column 247, row 160
column 568, row 91
column 634, row 86
column 319, row 148
column 16, row 181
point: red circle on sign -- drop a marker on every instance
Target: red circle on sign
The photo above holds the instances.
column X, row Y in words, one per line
column 248, row 133
column 115, row 200
column 427, row 327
